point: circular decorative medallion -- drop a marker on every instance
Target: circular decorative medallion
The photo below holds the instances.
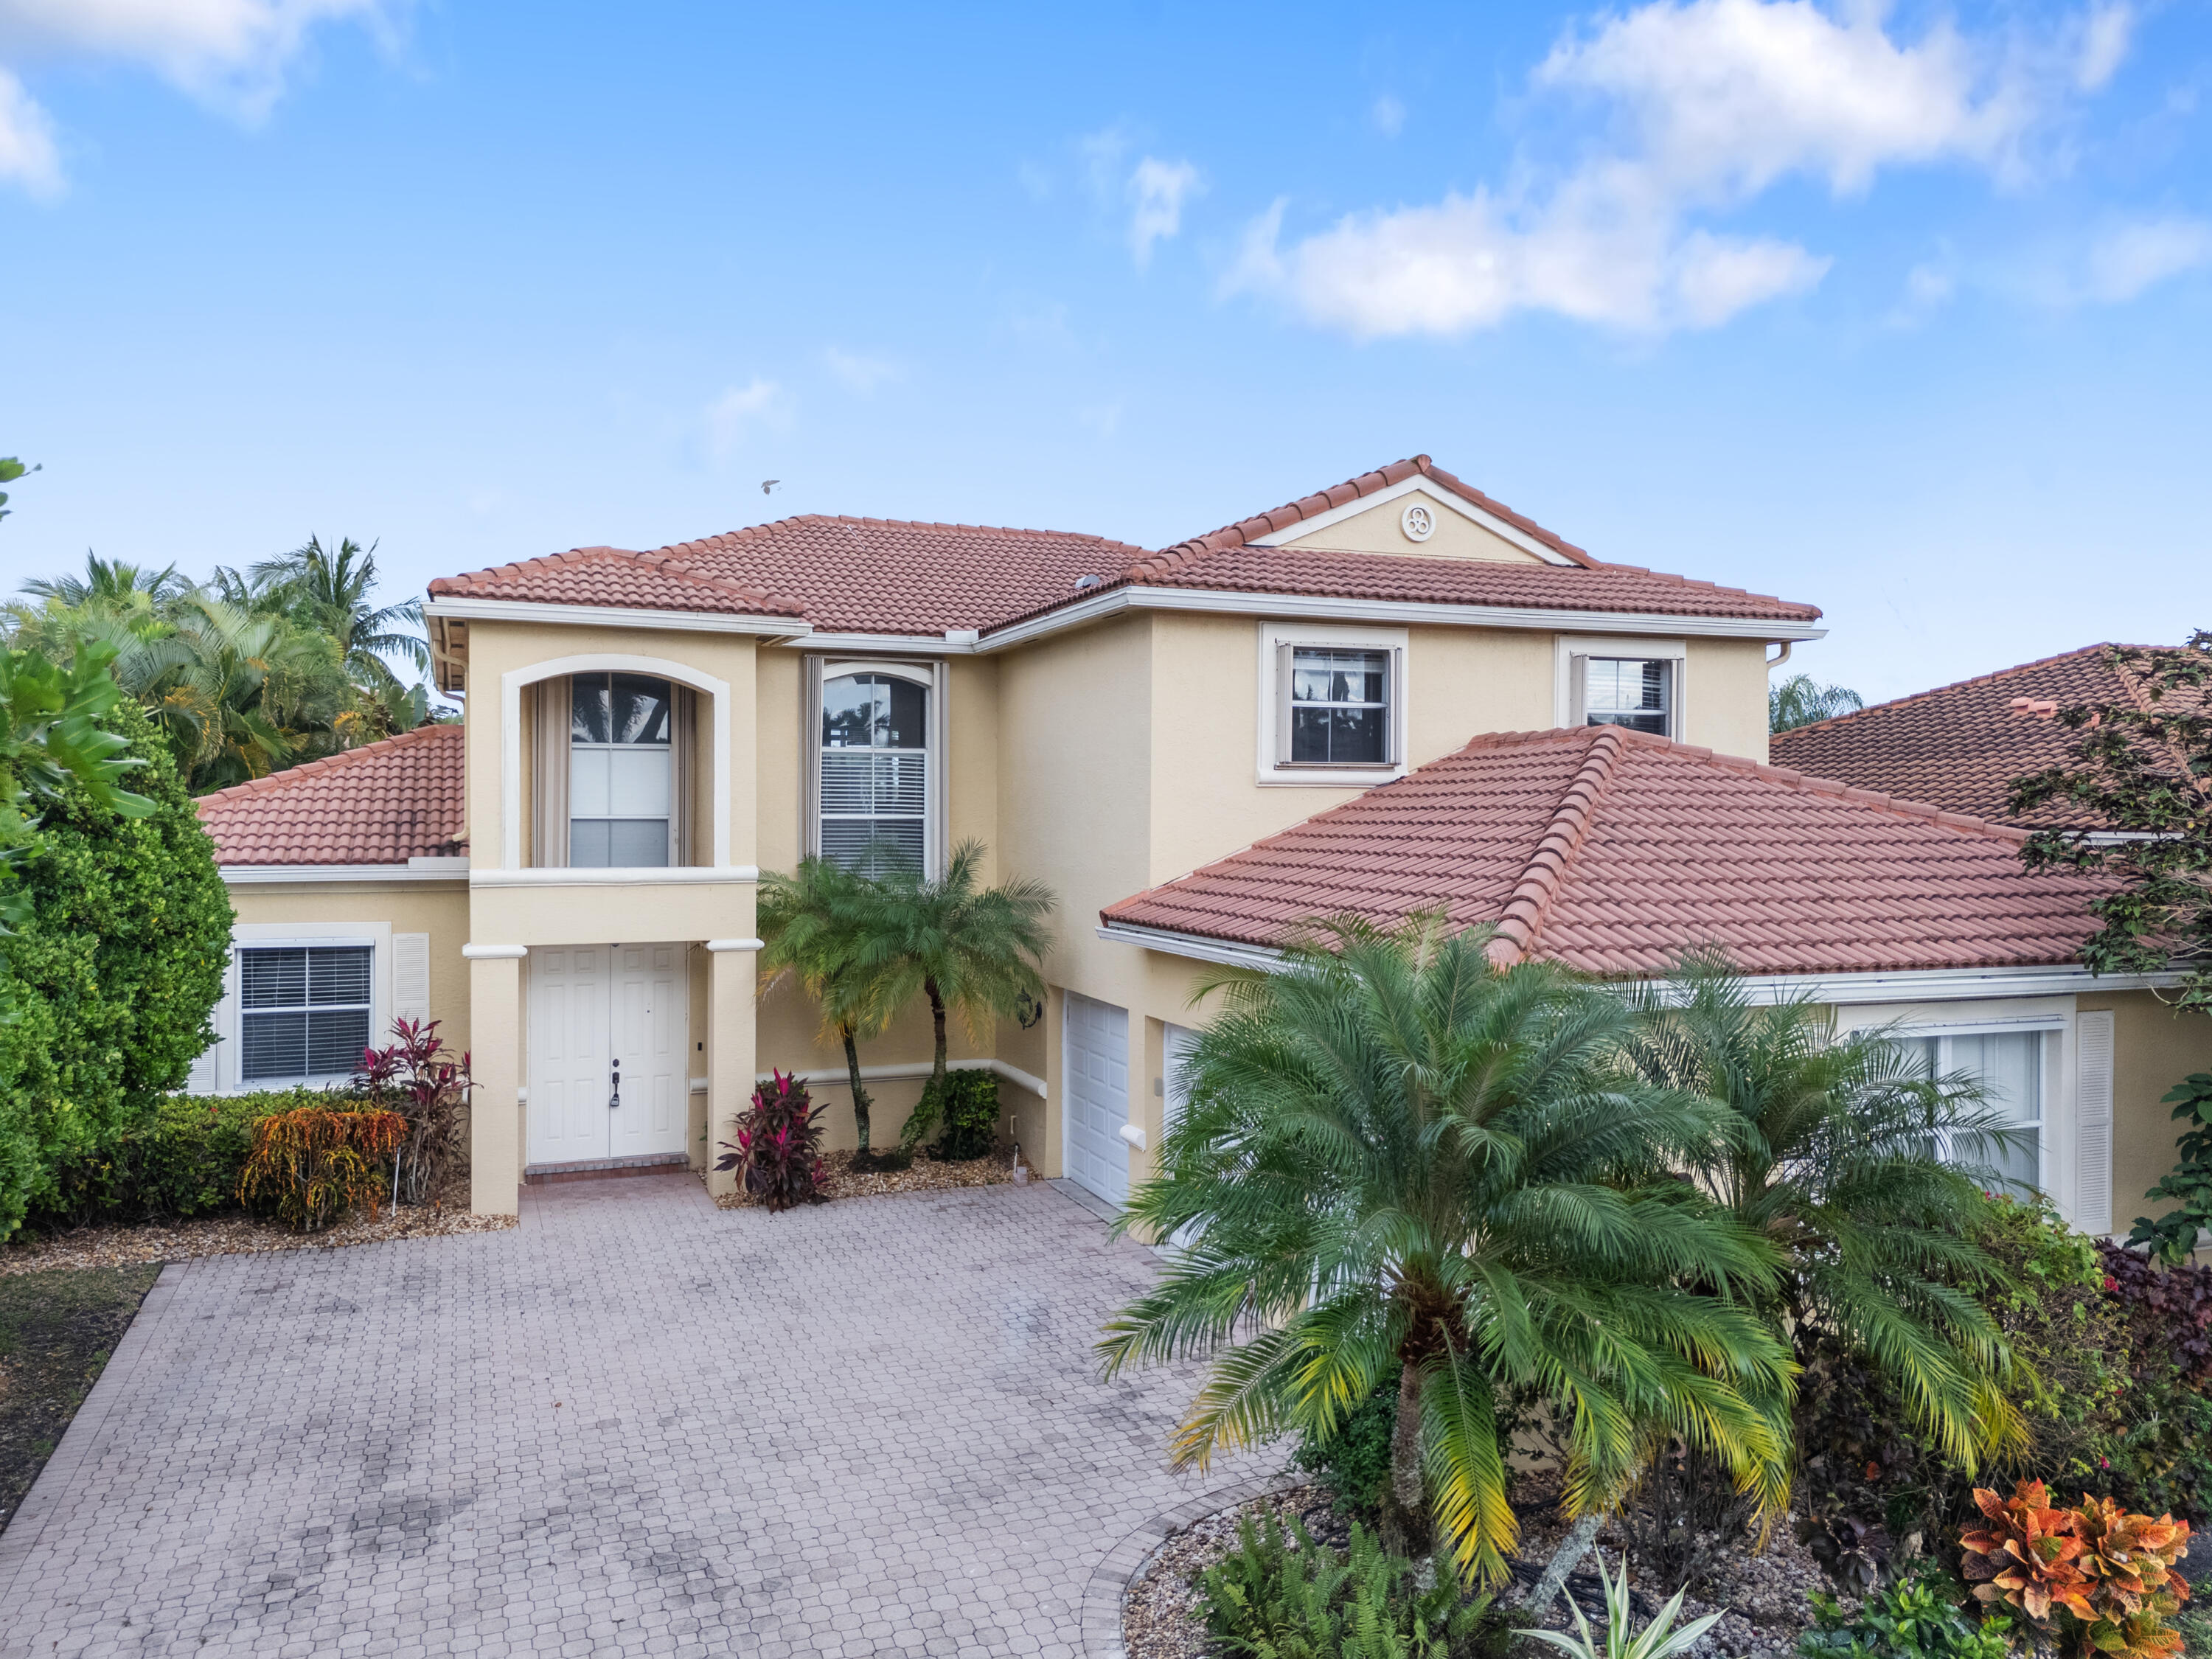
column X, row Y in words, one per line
column 1417, row 522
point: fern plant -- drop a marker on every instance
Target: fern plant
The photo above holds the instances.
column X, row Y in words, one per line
column 1279, row 1595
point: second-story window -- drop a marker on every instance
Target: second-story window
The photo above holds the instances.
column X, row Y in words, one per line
column 621, row 773
column 1636, row 692
column 1340, row 707
column 874, row 784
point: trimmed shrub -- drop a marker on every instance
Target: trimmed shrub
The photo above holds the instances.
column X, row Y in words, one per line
column 778, row 1151
column 107, row 986
column 311, row 1167
column 183, row 1161
column 969, row 1107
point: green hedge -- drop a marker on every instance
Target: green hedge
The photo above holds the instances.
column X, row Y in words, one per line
column 105, row 991
column 183, row 1160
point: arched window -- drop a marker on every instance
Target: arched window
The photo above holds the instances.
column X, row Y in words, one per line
column 620, row 775
column 874, row 790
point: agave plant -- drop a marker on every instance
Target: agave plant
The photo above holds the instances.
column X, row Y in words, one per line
column 1658, row 1640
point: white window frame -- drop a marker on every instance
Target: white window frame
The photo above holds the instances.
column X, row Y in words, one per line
column 934, row 677
column 2057, row 1148
column 1279, row 642
column 669, row 818
column 228, row 1050
column 1568, row 647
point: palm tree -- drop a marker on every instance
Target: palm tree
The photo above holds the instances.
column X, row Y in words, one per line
column 1399, row 1165
column 110, row 585
column 813, row 925
column 239, row 695
column 1837, row 1149
column 1799, row 701
column 974, row 950
column 329, row 592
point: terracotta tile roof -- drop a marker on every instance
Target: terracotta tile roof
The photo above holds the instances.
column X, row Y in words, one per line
column 609, row 575
column 1961, row 746
column 887, row 576
column 1613, row 851
column 383, row 802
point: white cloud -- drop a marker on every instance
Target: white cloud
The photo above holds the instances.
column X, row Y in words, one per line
column 1704, row 105
column 2129, row 258
column 860, row 373
column 742, row 410
column 29, row 157
column 1388, row 116
column 2106, row 35
column 230, row 52
column 1156, row 191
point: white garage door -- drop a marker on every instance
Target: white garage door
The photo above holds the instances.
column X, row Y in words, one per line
column 1095, row 1064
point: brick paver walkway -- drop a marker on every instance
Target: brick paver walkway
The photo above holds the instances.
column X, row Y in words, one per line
column 635, row 1423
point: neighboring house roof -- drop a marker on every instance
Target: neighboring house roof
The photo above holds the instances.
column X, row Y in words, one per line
column 1961, row 746
column 886, row 576
column 383, row 802
column 1613, row 851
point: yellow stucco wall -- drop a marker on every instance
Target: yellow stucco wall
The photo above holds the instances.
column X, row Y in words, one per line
column 1381, row 530
column 1725, row 702
column 2153, row 1047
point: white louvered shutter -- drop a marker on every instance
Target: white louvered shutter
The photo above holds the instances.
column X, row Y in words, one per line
column 2093, row 1166
column 207, row 1073
column 410, row 976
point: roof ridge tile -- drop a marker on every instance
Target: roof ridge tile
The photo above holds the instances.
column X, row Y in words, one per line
column 1523, row 918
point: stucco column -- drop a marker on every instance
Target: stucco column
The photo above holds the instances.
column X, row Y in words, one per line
column 729, row 1045
column 494, row 1108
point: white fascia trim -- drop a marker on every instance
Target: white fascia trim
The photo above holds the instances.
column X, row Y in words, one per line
column 717, row 947
column 1191, row 945
column 1013, row 1074
column 1917, row 985
column 1403, row 612
column 495, row 952
column 1419, row 484
column 679, row 875
column 954, row 642
column 241, row 875
column 614, row 616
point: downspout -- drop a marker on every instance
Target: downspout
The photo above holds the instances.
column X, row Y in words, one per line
column 1773, row 663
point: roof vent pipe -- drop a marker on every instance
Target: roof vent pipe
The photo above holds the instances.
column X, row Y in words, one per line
column 1085, row 583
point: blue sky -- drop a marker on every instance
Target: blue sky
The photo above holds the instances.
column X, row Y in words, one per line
column 1905, row 313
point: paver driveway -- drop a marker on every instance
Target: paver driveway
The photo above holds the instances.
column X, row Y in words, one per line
column 635, row 1423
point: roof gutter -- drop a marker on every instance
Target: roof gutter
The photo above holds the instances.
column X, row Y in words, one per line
column 1221, row 601
column 1902, row 985
column 617, row 616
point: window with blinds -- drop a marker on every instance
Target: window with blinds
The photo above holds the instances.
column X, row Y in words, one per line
column 304, row 1010
column 1634, row 692
column 2008, row 1066
column 874, row 781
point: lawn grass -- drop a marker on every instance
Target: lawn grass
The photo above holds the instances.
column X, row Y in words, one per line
column 56, row 1330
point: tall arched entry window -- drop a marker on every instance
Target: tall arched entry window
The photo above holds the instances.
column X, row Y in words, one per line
column 613, row 759
column 875, row 764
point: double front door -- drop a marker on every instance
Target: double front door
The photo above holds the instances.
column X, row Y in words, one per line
column 609, row 1050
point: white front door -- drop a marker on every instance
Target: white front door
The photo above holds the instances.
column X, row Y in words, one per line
column 649, row 1045
column 607, row 1036
column 1095, row 1067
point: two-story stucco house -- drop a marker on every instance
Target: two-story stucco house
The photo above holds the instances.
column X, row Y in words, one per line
column 1393, row 693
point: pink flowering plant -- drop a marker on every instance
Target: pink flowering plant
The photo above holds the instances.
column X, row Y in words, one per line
column 419, row 1077
column 778, row 1151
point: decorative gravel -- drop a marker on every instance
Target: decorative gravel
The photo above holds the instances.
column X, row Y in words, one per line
column 232, row 1235
column 1763, row 1592
column 926, row 1175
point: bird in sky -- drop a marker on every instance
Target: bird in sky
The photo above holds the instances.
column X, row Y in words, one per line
column 767, row 484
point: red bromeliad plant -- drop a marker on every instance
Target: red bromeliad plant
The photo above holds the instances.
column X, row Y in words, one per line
column 778, row 1151
column 2108, row 1573
column 414, row 1077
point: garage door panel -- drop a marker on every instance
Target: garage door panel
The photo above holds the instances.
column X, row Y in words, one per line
column 1095, row 1062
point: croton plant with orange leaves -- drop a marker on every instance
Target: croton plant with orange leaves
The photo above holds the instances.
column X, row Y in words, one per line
column 2108, row 1572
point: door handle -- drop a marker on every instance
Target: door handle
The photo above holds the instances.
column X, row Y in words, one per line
column 614, row 1097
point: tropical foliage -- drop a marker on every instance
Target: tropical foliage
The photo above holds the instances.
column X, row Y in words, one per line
column 51, row 740
column 245, row 674
column 1658, row 1639
column 2142, row 766
column 1859, row 1169
column 778, row 1151
column 10, row 470
column 2102, row 1578
column 2172, row 1237
column 314, row 1166
column 812, row 927
column 1801, row 700
column 110, row 975
column 417, row 1077
column 1400, row 1163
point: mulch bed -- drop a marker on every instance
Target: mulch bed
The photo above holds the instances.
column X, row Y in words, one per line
column 1763, row 1592
column 57, row 1327
column 926, row 1175
column 229, row 1235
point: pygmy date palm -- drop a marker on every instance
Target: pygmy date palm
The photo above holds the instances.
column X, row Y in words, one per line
column 1843, row 1151
column 812, row 926
column 1401, row 1165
